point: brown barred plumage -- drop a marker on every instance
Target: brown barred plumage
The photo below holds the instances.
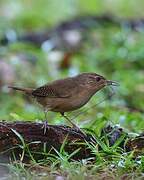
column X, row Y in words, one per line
column 68, row 94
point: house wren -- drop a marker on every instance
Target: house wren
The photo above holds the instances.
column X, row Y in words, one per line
column 67, row 94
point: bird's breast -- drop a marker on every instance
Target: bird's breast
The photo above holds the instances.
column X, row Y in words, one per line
column 72, row 103
column 65, row 104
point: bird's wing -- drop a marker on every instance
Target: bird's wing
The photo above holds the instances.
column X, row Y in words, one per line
column 57, row 89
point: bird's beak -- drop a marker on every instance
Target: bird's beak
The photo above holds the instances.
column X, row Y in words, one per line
column 112, row 83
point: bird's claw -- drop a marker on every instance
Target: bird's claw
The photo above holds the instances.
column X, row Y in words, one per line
column 44, row 127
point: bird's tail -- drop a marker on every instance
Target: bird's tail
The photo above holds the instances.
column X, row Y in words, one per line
column 25, row 90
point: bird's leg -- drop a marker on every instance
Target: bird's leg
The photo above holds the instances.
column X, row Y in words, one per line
column 46, row 120
column 74, row 125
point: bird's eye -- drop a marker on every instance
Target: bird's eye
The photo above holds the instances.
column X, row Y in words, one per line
column 98, row 79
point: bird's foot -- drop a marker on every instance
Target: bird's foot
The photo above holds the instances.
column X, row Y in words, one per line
column 73, row 125
column 79, row 130
column 44, row 127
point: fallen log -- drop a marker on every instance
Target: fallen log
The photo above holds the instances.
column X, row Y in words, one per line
column 25, row 140
column 15, row 136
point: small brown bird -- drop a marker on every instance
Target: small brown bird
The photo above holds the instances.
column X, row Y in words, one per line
column 67, row 94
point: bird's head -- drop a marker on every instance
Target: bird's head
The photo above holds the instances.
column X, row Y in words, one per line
column 96, row 81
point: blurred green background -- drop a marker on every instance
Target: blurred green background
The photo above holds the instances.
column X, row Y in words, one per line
column 116, row 52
